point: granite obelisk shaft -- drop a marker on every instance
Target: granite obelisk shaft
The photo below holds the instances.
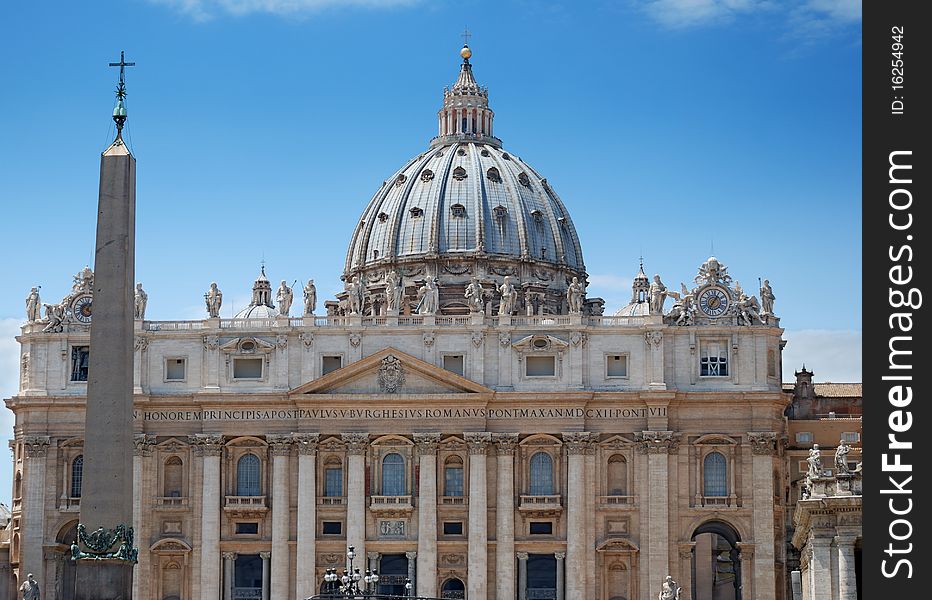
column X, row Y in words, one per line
column 107, row 494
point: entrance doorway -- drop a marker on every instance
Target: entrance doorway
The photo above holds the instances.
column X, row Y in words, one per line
column 716, row 563
column 247, row 577
column 541, row 577
column 393, row 574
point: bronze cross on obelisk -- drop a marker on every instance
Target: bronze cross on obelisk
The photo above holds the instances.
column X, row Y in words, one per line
column 121, row 90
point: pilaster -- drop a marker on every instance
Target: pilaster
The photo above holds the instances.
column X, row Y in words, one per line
column 357, row 444
column 477, row 551
column 505, row 444
column 426, row 583
column 306, row 551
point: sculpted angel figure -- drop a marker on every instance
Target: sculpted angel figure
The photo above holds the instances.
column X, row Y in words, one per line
column 574, row 296
column 213, row 298
column 474, row 294
column 33, row 306
column 683, row 309
column 55, row 314
column 284, row 296
column 509, row 296
column 139, row 302
column 748, row 310
column 766, row 298
column 310, row 297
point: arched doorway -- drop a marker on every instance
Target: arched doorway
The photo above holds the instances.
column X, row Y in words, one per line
column 453, row 588
column 67, row 536
column 716, row 562
column 393, row 574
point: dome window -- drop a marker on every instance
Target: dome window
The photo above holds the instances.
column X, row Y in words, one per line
column 427, row 175
column 458, row 210
column 494, row 175
column 417, row 212
column 506, row 156
column 459, row 173
column 538, row 216
column 485, row 153
column 524, row 180
column 461, row 152
column 383, row 217
column 400, row 180
column 500, row 212
column 562, row 222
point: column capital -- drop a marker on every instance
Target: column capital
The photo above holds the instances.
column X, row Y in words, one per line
column 477, row 441
column 411, row 555
column 746, row 550
column 657, row 442
column 206, row 444
column 36, row 445
column 521, row 555
column 577, row 442
column 763, row 442
column 265, row 555
column 356, row 443
column 372, row 556
column 279, row 444
column 427, row 443
column 505, row 443
column 559, row 555
column 228, row 555
column 306, row 443
column 142, row 444
column 845, row 540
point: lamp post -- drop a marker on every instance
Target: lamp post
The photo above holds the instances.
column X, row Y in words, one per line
column 352, row 584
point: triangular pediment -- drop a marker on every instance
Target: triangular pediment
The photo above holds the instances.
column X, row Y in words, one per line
column 391, row 372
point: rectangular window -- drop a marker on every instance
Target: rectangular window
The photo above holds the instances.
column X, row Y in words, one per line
column 333, row 482
column 332, row 527
column 247, row 368
column 329, row 364
column 453, row 481
column 803, row 437
column 80, row 356
column 247, row 529
column 541, row 528
column 454, row 363
column 616, row 365
column 540, row 366
column 452, row 528
column 851, row 437
column 174, row 369
column 713, row 361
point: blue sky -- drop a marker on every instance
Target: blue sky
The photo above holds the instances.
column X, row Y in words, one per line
column 262, row 128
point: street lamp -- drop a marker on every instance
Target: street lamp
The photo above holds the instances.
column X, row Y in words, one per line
column 352, row 584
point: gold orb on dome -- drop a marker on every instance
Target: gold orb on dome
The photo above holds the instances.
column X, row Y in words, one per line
column 466, row 52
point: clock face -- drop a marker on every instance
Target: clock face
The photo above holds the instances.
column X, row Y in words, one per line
column 713, row 302
column 82, row 309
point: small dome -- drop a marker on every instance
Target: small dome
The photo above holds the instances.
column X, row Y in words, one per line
column 261, row 306
column 257, row 312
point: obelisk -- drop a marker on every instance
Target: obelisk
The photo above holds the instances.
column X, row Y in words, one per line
column 106, row 573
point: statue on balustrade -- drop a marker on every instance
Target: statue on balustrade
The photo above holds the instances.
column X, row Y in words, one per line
column 140, row 301
column 474, row 294
column 575, row 293
column 841, row 458
column 310, row 297
column 430, row 297
column 509, row 297
column 213, row 298
column 658, row 293
column 284, row 296
column 766, row 299
column 815, row 463
column 33, row 306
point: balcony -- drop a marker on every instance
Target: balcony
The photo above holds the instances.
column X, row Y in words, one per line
column 617, row 501
column 716, row 502
column 66, row 504
column 453, row 501
column 541, row 506
column 170, row 502
column 391, row 505
column 331, row 500
column 245, row 506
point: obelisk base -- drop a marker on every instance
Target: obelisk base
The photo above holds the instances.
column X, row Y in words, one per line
column 103, row 580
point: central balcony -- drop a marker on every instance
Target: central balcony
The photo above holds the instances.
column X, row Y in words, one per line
column 391, row 505
column 170, row 502
column 245, row 506
column 550, row 505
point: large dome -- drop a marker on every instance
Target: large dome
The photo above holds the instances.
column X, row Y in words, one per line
column 465, row 209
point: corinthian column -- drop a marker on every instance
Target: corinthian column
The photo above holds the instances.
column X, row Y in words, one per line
column 280, row 446
column 33, row 525
column 847, row 581
column 356, row 446
column 305, row 577
column 478, row 546
column 427, row 513
column 657, row 445
column 209, row 447
column 576, row 539
column 142, row 449
column 763, row 447
column 505, row 515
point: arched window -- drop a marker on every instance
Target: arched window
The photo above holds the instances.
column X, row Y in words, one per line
column 714, row 474
column 393, row 475
column 247, row 475
column 541, row 475
column 453, row 477
column 174, row 469
column 617, row 476
column 18, row 486
column 453, row 588
column 77, row 475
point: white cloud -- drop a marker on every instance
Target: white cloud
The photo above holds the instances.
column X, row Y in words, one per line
column 801, row 15
column 206, row 9
column 9, row 385
column 833, row 355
